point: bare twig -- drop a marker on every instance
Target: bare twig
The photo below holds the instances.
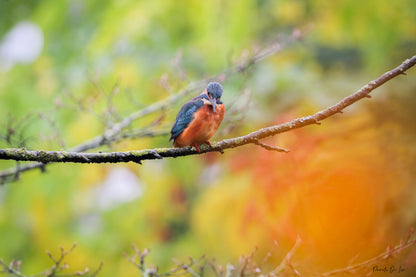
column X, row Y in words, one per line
column 287, row 261
column 54, row 271
column 138, row 260
column 54, row 126
column 369, row 264
column 12, row 268
column 269, row 147
column 21, row 154
column 57, row 267
column 13, row 133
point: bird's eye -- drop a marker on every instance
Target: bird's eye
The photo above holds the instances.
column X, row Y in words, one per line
column 209, row 94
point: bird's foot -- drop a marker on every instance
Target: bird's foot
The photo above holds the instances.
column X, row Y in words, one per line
column 209, row 143
column 196, row 147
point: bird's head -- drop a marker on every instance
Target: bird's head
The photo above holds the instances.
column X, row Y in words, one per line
column 214, row 93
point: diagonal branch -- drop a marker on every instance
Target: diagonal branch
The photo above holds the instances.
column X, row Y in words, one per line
column 21, row 154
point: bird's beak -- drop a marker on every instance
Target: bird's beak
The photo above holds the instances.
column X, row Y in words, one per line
column 213, row 103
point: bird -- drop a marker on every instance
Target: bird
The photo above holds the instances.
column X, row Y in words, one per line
column 199, row 118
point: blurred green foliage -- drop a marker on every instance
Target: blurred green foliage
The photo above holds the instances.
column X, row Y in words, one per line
column 89, row 46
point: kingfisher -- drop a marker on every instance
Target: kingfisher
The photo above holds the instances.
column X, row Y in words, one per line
column 199, row 118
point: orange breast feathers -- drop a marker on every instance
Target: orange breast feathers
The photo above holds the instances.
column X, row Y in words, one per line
column 202, row 127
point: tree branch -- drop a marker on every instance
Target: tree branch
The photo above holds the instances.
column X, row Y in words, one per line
column 21, row 154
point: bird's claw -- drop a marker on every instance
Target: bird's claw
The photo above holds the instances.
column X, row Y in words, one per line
column 196, row 147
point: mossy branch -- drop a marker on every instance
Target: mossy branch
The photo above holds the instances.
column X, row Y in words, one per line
column 21, row 154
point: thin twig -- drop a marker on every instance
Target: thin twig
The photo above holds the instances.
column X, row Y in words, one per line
column 10, row 269
column 55, row 270
column 388, row 253
column 286, row 262
column 269, row 147
column 21, row 154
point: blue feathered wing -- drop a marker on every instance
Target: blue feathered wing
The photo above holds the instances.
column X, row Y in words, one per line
column 184, row 117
